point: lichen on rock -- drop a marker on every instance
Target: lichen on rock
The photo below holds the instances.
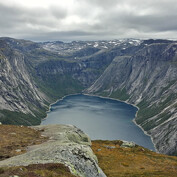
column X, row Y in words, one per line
column 128, row 144
column 67, row 145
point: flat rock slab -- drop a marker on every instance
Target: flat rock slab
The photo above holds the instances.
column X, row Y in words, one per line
column 67, row 145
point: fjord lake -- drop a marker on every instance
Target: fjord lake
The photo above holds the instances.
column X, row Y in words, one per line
column 100, row 118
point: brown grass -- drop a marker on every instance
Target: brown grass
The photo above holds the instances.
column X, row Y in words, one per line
column 15, row 139
column 115, row 162
column 37, row 170
column 134, row 162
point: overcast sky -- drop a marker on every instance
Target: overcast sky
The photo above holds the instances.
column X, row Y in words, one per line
column 67, row 20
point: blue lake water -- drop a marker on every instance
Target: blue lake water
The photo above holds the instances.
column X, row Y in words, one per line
column 100, row 118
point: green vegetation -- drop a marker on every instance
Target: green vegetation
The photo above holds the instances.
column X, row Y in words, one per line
column 167, row 87
column 1, row 57
column 147, row 112
column 19, row 118
column 57, row 86
column 54, row 83
column 104, row 94
column 120, row 94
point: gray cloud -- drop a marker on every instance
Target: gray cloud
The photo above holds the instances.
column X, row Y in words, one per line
column 90, row 20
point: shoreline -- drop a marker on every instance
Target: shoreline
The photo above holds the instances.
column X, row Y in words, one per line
column 49, row 110
column 60, row 99
column 133, row 118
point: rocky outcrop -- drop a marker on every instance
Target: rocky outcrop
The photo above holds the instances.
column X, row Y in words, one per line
column 147, row 79
column 18, row 94
column 67, row 145
column 128, row 144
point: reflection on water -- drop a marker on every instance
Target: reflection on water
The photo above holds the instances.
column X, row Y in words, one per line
column 100, row 118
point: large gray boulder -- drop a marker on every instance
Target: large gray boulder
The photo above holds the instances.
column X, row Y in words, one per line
column 67, row 145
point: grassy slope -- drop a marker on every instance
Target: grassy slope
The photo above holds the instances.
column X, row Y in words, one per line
column 134, row 162
column 19, row 118
column 14, row 140
column 37, row 170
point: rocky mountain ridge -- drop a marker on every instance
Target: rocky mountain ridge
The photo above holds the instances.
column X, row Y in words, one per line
column 143, row 73
column 147, row 80
column 18, row 89
column 33, row 77
column 75, row 46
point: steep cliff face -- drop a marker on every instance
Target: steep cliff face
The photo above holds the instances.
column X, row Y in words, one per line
column 84, row 71
column 141, row 72
column 148, row 80
column 19, row 96
column 31, row 77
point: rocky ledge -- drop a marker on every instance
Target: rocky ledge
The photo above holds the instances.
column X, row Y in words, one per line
column 67, row 145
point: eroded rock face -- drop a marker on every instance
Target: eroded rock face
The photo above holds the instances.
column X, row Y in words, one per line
column 140, row 72
column 19, row 94
column 31, row 77
column 147, row 79
column 68, row 145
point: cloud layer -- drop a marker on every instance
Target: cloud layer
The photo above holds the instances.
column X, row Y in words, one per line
column 48, row 20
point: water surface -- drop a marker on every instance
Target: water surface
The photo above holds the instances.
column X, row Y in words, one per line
column 100, row 118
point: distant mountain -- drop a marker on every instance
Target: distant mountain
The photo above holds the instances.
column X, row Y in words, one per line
column 143, row 73
column 70, row 48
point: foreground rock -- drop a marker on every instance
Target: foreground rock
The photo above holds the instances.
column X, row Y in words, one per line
column 67, row 145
